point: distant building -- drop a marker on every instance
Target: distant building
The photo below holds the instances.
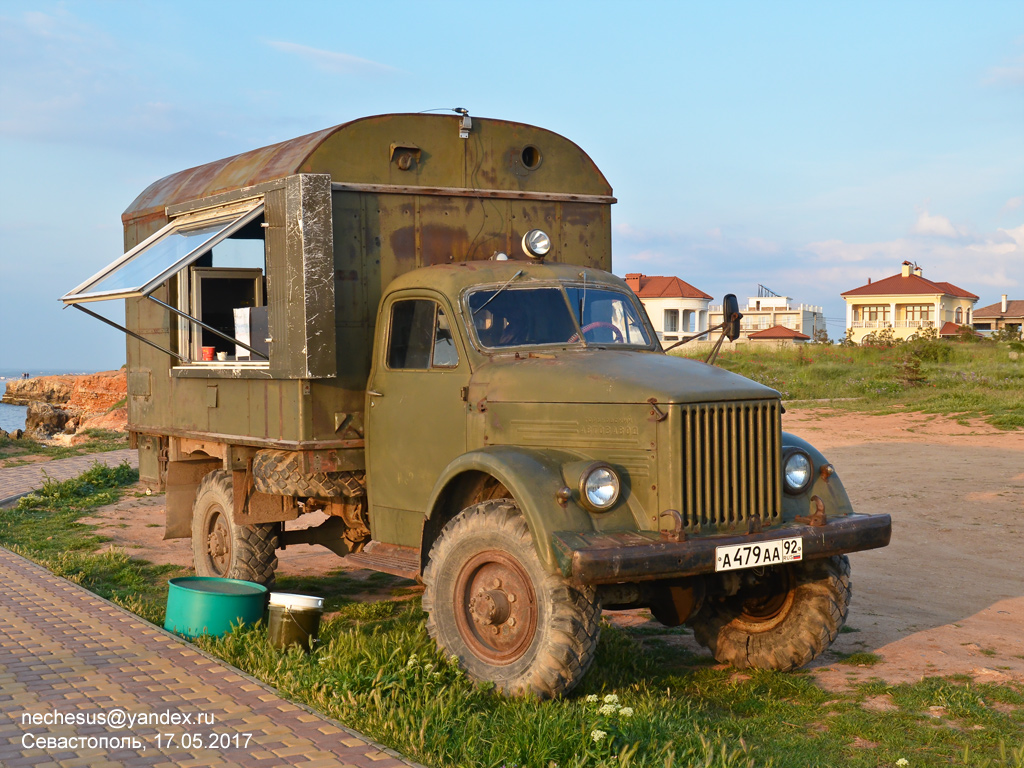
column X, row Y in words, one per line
column 675, row 307
column 1002, row 314
column 779, row 335
column 907, row 303
column 768, row 310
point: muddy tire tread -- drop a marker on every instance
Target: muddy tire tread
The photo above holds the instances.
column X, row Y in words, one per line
column 567, row 649
column 822, row 603
column 254, row 547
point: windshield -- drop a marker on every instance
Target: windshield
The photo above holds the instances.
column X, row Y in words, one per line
column 607, row 317
column 514, row 317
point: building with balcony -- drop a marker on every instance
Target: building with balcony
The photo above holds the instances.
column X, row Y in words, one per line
column 907, row 303
column 768, row 310
column 675, row 307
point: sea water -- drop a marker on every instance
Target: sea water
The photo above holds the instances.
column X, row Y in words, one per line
column 12, row 417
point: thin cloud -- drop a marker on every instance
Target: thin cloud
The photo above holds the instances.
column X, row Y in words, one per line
column 332, row 61
column 1010, row 73
column 940, row 226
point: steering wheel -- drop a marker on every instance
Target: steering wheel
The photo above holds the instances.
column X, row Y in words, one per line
column 616, row 333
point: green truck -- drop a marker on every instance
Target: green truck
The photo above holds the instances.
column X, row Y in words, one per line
column 408, row 325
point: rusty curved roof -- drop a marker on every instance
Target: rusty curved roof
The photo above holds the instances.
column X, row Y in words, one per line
column 247, row 169
column 349, row 153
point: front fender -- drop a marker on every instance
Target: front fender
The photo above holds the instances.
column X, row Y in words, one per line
column 533, row 478
column 829, row 489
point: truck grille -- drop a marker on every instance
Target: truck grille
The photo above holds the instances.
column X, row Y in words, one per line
column 731, row 463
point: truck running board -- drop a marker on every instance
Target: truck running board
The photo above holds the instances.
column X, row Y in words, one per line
column 388, row 558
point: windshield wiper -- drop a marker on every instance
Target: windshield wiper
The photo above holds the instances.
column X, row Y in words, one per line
column 495, row 294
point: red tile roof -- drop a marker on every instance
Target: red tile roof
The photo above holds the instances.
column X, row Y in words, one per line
column 912, row 285
column 949, row 329
column 1014, row 309
column 658, row 287
column 779, row 332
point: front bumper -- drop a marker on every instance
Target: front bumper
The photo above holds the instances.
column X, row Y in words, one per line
column 608, row 558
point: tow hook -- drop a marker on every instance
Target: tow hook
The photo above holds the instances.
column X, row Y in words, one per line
column 818, row 518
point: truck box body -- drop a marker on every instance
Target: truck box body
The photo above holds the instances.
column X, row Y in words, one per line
column 457, row 199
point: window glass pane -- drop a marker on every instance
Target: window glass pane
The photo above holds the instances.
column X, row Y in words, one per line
column 412, row 334
column 671, row 320
column 607, row 317
column 520, row 317
column 170, row 249
column 445, row 354
column 173, row 250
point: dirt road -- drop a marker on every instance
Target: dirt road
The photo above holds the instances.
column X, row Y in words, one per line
column 946, row 597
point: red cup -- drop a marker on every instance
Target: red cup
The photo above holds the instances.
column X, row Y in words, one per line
column 208, row 353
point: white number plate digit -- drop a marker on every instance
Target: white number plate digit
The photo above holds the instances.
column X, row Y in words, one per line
column 775, row 552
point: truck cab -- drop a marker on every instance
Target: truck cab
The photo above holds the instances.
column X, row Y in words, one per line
column 409, row 323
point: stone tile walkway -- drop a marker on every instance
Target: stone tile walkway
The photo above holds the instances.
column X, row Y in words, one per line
column 16, row 482
column 86, row 683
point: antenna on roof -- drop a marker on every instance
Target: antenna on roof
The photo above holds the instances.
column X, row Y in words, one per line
column 766, row 293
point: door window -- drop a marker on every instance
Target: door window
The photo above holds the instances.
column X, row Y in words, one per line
column 421, row 337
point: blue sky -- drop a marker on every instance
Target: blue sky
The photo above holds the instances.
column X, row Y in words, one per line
column 804, row 146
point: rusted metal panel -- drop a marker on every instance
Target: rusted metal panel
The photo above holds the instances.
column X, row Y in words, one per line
column 183, row 478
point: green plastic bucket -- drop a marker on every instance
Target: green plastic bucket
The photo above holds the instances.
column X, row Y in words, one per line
column 204, row 605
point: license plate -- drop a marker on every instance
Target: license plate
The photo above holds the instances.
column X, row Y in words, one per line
column 774, row 552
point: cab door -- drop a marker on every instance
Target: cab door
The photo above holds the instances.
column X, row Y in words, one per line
column 415, row 411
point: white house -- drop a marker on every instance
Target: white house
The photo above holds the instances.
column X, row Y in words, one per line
column 675, row 307
column 764, row 312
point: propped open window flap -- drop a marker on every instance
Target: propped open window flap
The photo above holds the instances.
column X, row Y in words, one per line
column 146, row 266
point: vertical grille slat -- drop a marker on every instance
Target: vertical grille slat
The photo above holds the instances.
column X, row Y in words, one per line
column 731, row 464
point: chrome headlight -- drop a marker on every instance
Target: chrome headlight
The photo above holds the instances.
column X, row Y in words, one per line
column 536, row 243
column 599, row 487
column 797, row 472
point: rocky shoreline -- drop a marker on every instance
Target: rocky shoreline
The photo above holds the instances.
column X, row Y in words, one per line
column 60, row 407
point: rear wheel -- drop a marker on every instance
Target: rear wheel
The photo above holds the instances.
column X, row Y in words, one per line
column 492, row 604
column 780, row 618
column 221, row 547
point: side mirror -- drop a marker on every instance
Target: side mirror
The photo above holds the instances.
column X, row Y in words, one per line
column 731, row 317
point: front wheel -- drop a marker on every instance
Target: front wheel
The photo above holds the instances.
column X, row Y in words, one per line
column 492, row 604
column 780, row 618
column 223, row 548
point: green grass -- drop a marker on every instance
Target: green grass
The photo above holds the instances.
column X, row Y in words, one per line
column 376, row 670
column 100, row 440
column 967, row 379
column 45, row 527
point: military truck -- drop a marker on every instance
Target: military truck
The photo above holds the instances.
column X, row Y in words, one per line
column 406, row 328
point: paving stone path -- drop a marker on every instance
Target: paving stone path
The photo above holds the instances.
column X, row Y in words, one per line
column 84, row 682
column 75, row 670
column 16, row 482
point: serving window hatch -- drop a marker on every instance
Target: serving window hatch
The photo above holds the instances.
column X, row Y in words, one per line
column 216, row 264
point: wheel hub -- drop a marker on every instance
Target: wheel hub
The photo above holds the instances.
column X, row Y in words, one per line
column 764, row 601
column 496, row 611
column 218, row 542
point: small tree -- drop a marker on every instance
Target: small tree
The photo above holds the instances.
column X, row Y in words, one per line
column 821, row 336
column 848, row 341
column 966, row 333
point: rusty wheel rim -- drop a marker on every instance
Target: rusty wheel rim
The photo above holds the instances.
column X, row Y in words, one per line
column 765, row 605
column 495, row 607
column 218, row 542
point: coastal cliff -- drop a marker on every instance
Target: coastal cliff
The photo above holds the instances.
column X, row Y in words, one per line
column 70, row 404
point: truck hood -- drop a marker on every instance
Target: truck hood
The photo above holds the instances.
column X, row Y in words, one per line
column 609, row 376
